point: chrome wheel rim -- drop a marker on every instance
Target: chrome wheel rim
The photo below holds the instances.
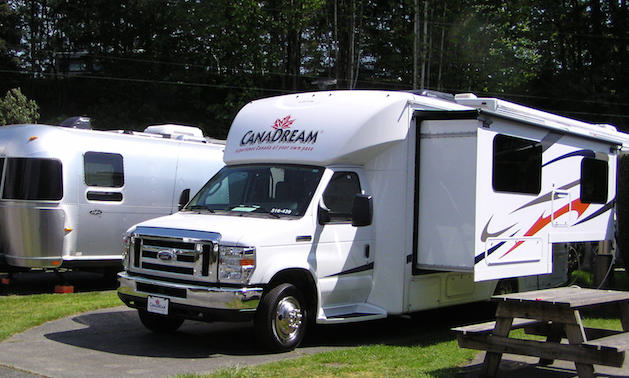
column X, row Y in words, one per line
column 287, row 320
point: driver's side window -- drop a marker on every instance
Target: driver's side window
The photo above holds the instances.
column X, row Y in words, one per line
column 339, row 195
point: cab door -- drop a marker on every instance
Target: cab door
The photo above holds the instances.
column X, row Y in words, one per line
column 344, row 254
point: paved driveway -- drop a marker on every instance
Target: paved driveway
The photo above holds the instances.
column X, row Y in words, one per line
column 113, row 342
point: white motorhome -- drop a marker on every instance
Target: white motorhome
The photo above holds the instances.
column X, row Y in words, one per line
column 68, row 195
column 355, row 205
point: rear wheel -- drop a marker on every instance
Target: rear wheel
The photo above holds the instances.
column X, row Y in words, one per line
column 159, row 323
column 281, row 318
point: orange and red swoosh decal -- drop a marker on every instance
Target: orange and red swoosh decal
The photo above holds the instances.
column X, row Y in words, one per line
column 542, row 222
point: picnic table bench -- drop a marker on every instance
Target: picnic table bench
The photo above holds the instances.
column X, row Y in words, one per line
column 555, row 314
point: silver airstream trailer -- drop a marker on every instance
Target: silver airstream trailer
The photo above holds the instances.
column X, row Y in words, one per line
column 67, row 195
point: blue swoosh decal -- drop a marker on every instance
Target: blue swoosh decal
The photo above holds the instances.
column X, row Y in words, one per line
column 585, row 153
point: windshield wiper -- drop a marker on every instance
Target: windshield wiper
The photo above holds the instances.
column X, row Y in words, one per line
column 200, row 207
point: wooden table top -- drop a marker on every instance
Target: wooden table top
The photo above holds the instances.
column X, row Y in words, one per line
column 572, row 297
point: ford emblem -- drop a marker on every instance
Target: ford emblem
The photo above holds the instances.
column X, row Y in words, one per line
column 165, row 255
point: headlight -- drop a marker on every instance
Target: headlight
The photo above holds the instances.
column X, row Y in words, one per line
column 236, row 263
column 126, row 246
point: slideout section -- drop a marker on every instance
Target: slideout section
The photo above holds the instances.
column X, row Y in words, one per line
column 479, row 202
column 445, row 192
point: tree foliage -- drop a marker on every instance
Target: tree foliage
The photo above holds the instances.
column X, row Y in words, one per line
column 15, row 108
column 131, row 63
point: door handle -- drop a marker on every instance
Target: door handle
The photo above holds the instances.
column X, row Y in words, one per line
column 96, row 212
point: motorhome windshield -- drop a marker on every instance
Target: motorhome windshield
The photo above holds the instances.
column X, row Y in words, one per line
column 278, row 190
column 36, row 179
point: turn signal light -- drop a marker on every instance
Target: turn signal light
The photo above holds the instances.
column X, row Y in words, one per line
column 247, row 262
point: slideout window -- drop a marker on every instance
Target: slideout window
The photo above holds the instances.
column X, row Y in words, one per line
column 517, row 165
column 103, row 169
column 33, row 179
column 594, row 180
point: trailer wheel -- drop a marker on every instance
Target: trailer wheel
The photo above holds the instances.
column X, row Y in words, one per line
column 281, row 318
column 159, row 323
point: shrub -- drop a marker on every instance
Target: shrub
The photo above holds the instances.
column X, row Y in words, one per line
column 16, row 108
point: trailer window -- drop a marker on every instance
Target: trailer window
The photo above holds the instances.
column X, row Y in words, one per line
column 33, row 179
column 339, row 195
column 517, row 165
column 103, row 169
column 594, row 180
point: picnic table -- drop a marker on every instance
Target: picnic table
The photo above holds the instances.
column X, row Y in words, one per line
column 555, row 314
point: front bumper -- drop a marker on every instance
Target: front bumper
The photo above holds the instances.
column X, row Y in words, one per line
column 191, row 301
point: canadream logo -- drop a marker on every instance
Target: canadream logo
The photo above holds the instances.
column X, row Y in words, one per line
column 280, row 133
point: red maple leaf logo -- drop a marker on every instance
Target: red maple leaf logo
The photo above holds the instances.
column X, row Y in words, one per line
column 283, row 123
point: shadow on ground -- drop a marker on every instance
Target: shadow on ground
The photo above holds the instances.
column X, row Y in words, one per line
column 120, row 332
column 44, row 282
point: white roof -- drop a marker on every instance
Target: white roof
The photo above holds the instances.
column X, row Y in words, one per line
column 348, row 127
column 46, row 140
column 322, row 128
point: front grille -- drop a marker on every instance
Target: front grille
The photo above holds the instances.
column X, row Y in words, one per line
column 168, row 268
column 176, row 257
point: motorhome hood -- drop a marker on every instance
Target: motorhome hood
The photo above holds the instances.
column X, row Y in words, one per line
column 241, row 230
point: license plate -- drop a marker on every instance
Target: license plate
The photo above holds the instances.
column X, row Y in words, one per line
column 157, row 305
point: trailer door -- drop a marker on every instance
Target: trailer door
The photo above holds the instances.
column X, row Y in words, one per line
column 101, row 201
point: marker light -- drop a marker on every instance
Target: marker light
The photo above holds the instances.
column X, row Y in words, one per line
column 32, row 138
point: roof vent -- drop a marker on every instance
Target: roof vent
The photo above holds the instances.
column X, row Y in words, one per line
column 465, row 96
column 176, row 131
column 77, row 123
column 433, row 94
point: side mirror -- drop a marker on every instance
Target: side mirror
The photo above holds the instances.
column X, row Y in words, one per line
column 184, row 198
column 323, row 214
column 362, row 210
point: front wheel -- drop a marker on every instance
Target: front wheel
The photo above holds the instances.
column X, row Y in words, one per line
column 159, row 323
column 281, row 318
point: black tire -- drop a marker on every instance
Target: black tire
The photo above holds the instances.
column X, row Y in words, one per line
column 159, row 323
column 506, row 286
column 281, row 319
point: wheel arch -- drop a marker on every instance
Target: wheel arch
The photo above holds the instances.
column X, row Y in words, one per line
column 303, row 280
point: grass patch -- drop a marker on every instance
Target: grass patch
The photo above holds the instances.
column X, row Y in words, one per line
column 441, row 358
column 433, row 360
column 25, row 311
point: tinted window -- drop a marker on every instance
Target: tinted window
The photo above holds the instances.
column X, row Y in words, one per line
column 594, row 180
column 33, row 179
column 339, row 195
column 517, row 165
column 103, row 169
